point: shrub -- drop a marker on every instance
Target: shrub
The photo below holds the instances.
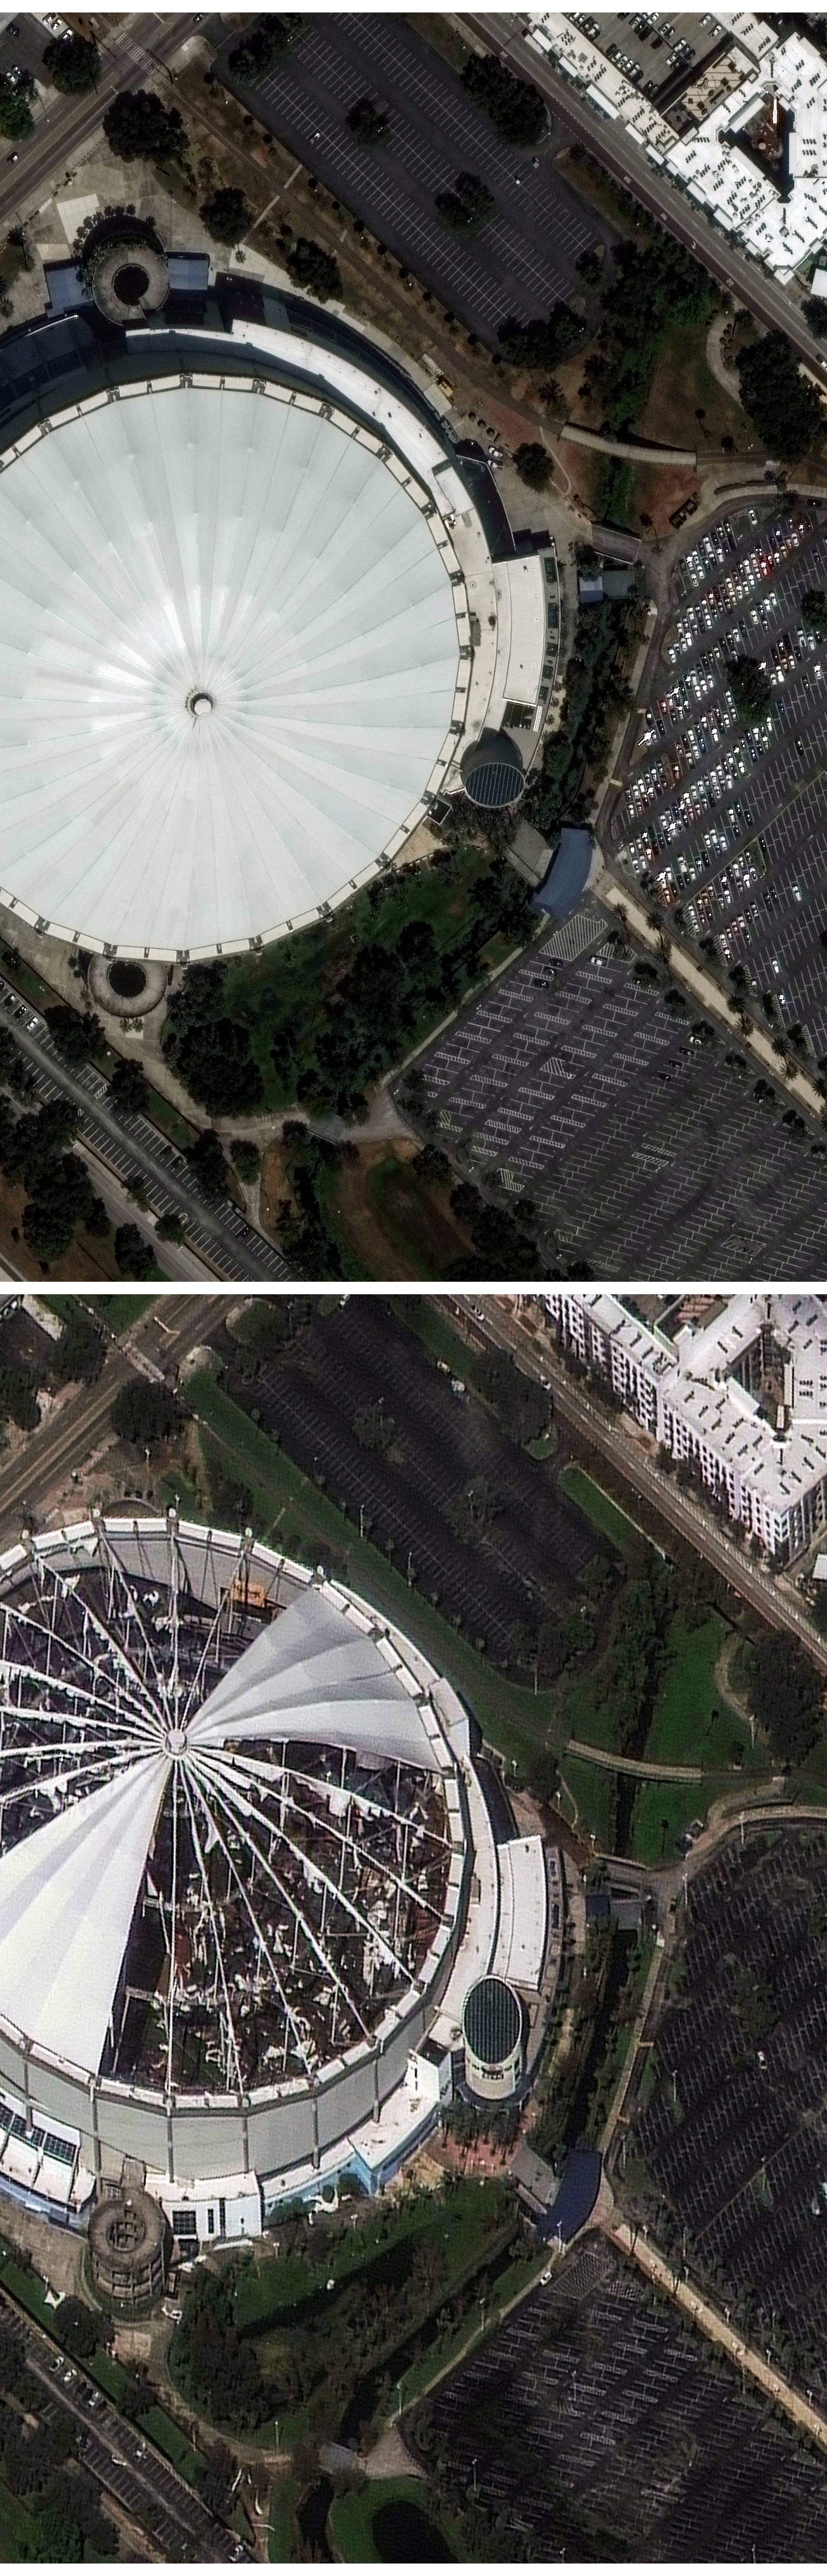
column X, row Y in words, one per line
column 466, row 207
column 226, row 214
column 369, row 124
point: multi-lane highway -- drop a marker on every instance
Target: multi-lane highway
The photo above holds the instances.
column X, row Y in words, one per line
column 68, row 1437
column 224, row 1242
column 130, row 54
column 624, row 160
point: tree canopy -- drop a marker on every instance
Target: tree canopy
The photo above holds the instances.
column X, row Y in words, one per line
column 534, row 464
column 785, row 408
column 514, row 106
column 814, row 610
column 467, row 206
column 544, row 342
column 144, row 1412
column 226, row 214
column 751, row 688
column 314, row 269
column 72, row 62
column 263, row 45
column 786, row 1695
column 134, row 1256
column 368, row 122
column 210, row 1051
column 16, row 119
column 138, row 127
column 74, row 1033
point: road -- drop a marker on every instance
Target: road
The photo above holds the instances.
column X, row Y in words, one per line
column 164, row 2508
column 222, row 1237
column 496, row 1323
column 67, row 1438
column 623, row 160
column 141, row 46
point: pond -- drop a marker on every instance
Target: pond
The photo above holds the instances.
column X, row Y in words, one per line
column 311, row 2516
column 403, row 2532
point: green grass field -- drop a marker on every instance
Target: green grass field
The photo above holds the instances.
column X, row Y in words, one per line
column 351, row 2517
column 693, row 1720
column 593, row 1789
column 283, row 2538
column 599, row 1508
column 663, row 1810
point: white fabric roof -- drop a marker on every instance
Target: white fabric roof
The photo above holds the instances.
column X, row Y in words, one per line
column 313, row 1675
column 67, row 1897
column 200, row 539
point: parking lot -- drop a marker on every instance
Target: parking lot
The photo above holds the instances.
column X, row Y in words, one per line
column 533, row 1552
column 596, row 2429
column 522, row 260
column 646, row 1152
column 735, row 2132
column 731, row 821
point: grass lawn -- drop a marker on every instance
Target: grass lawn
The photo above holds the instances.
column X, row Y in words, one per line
column 167, row 2436
column 120, row 1312
column 693, row 1721
column 593, row 1789
column 512, row 1718
column 388, row 1221
column 351, row 2517
column 663, row 1810
column 276, row 2284
column 283, row 2540
column 599, row 1508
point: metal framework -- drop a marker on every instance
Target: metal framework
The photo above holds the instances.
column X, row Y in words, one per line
column 282, row 1875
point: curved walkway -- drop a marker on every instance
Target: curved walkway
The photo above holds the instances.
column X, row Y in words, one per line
column 636, row 451
column 624, row 1762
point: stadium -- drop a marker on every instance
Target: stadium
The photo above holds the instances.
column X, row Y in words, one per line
column 255, row 607
column 248, row 1875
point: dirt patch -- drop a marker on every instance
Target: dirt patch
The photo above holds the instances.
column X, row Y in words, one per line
column 683, row 385
column 396, row 1225
column 274, row 1186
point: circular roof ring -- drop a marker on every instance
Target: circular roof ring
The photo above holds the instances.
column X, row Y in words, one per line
column 128, row 275
column 493, row 773
column 126, row 987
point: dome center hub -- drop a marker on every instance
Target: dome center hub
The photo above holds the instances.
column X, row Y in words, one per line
column 200, row 703
column 176, row 1739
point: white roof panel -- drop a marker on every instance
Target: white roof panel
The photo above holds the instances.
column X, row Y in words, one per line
column 212, row 542
column 67, row 1897
column 314, row 1677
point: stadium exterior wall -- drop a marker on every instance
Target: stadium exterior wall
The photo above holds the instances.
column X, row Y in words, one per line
column 186, row 2140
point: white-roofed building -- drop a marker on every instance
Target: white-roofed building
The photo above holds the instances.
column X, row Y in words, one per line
column 247, row 1874
column 250, row 620
column 740, row 1394
column 774, row 207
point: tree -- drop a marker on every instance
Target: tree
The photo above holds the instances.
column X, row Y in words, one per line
column 128, row 1088
column 144, row 1413
column 16, row 92
column 246, row 1157
column 226, row 214
column 534, row 464
column 57, row 2538
column 170, row 1228
column 751, row 688
column 542, row 343
column 77, row 2328
column 786, row 1695
column 814, row 610
column 369, row 124
column 81, row 1350
column 314, row 269
column 208, row 1050
column 72, row 62
column 785, row 408
column 74, row 1033
column 207, row 1164
column 514, row 106
column 215, row 2478
column 217, row 2369
column 138, row 127
column 467, row 206
column 134, row 1256
column 263, row 45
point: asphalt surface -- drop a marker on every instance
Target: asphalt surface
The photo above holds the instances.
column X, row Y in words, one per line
column 522, row 260
column 623, row 159
column 130, row 1146
column 68, row 1437
column 174, row 2522
column 679, row 1509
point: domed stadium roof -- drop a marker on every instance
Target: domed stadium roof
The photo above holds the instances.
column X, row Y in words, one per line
column 228, row 662
column 221, row 1854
